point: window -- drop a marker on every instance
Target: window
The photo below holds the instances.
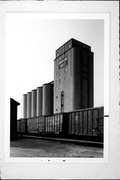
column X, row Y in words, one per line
column 62, row 101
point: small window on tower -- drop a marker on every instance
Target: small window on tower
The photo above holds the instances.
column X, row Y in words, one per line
column 62, row 101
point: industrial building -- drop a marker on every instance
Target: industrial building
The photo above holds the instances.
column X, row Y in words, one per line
column 38, row 102
column 72, row 88
column 73, row 77
column 64, row 107
column 13, row 119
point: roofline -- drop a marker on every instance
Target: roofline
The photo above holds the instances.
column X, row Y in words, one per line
column 73, row 40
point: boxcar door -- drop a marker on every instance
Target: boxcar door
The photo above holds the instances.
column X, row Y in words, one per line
column 65, row 127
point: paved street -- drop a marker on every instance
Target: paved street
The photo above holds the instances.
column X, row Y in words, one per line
column 29, row 147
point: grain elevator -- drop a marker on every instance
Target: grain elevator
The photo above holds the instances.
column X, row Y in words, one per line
column 72, row 88
column 64, row 107
column 73, row 77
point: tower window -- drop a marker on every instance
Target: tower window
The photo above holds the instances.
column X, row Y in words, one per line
column 62, row 101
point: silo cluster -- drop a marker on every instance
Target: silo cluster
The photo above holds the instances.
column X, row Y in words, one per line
column 71, row 94
column 73, row 85
column 38, row 102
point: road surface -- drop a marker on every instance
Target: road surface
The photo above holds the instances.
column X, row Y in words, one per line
column 30, row 147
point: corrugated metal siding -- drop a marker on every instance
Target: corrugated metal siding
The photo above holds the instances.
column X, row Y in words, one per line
column 87, row 122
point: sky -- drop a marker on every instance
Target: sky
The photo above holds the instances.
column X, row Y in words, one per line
column 30, row 44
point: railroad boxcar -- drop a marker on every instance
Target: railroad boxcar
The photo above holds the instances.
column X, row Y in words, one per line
column 36, row 125
column 76, row 124
column 86, row 122
column 56, row 124
column 21, row 126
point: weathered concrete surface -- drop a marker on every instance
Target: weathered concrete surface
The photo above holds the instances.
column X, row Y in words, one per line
column 47, row 148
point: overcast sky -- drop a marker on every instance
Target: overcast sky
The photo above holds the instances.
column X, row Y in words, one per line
column 30, row 45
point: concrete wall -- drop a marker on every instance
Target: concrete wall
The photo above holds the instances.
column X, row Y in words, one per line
column 63, row 80
column 73, row 75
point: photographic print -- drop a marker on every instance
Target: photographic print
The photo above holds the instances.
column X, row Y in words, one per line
column 56, row 86
column 59, row 100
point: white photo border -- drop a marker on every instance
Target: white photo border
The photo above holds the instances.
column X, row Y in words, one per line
column 108, row 16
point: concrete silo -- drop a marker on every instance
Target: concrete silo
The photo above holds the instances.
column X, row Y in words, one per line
column 39, row 101
column 33, row 103
column 47, row 103
column 29, row 105
column 24, row 106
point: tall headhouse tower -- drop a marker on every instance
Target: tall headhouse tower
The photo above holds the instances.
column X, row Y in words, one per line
column 73, row 77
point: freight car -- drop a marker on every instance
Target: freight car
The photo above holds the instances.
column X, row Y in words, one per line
column 80, row 124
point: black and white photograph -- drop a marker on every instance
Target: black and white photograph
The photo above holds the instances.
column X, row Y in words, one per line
column 57, row 83
column 58, row 89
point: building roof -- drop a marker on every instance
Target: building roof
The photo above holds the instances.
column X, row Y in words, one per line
column 14, row 102
column 69, row 44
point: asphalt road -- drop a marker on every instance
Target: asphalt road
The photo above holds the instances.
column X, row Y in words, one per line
column 29, row 147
